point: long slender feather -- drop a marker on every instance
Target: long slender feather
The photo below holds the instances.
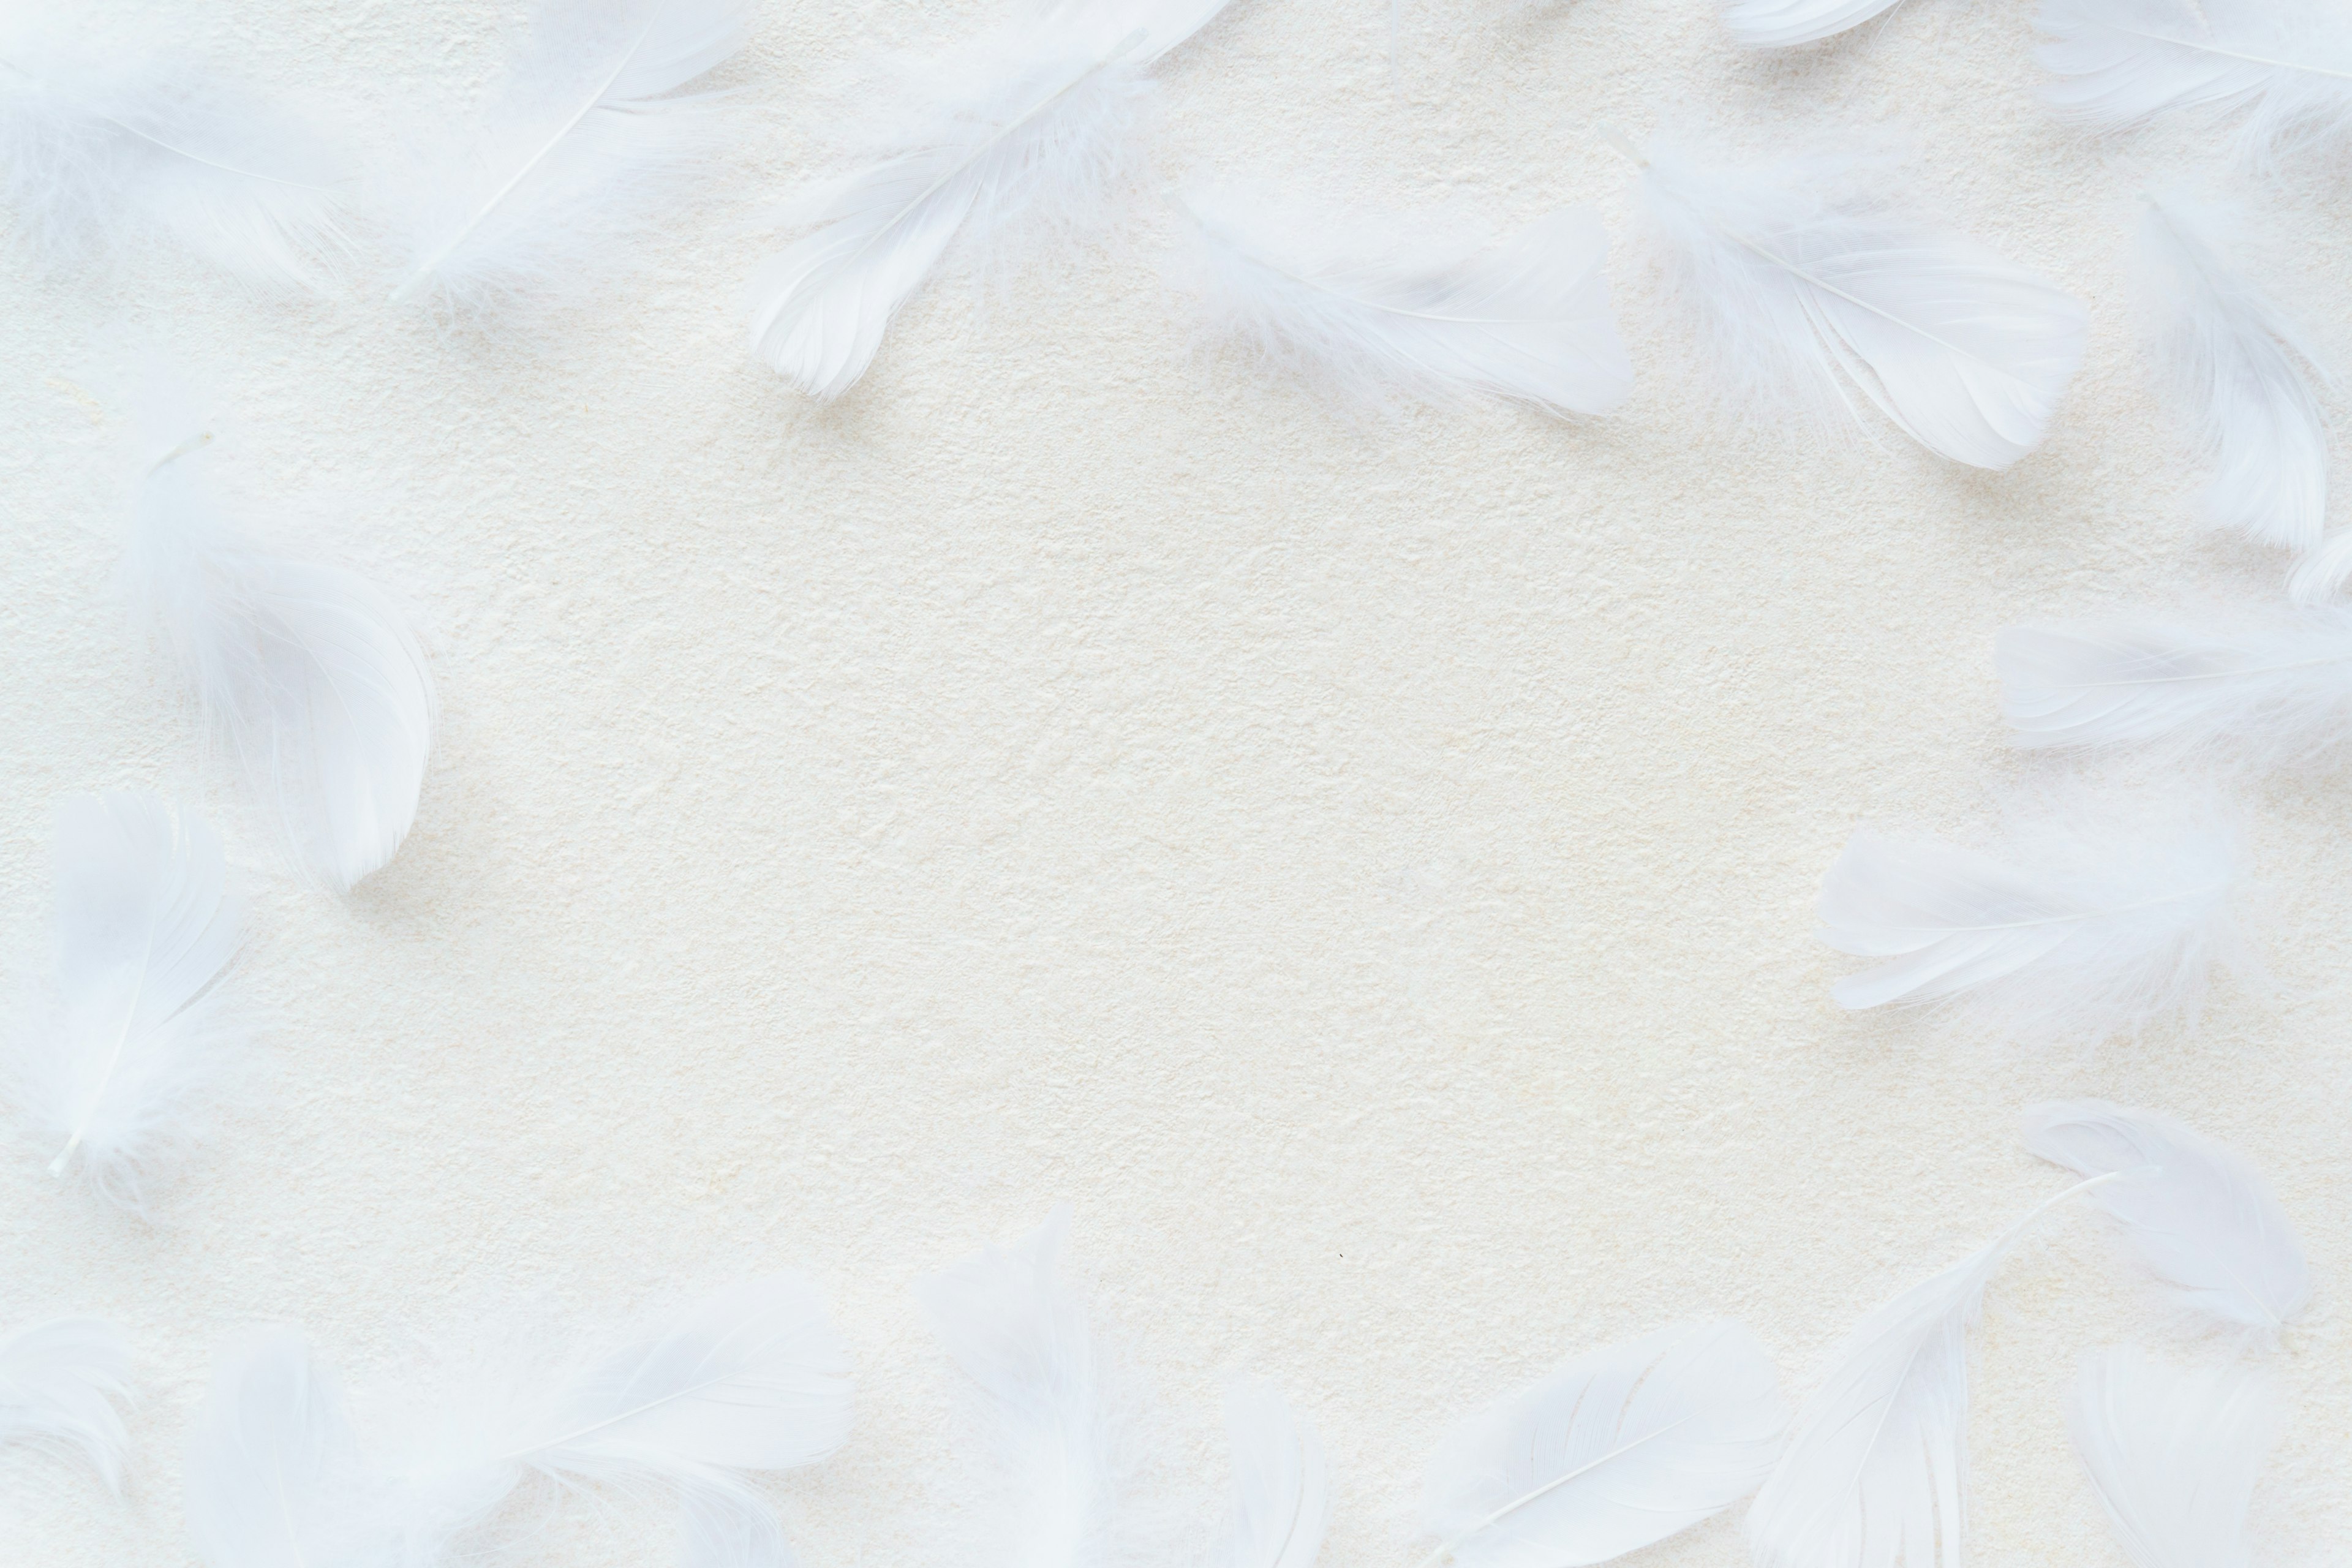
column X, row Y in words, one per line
column 62, row 1386
column 270, row 1458
column 2174, row 1455
column 1784, row 24
column 1614, row 1450
column 2206, row 1221
column 146, row 933
column 1807, row 297
column 1282, row 1491
column 1388, row 307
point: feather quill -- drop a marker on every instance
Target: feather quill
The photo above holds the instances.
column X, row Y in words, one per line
column 62, row 1385
column 1784, row 24
column 2174, row 1455
column 588, row 143
column 1282, row 1493
column 1875, row 1475
column 1612, row 1452
column 146, row 931
column 1809, row 298
column 1385, row 307
column 308, row 673
column 2206, row 1221
column 1030, row 127
column 268, row 1457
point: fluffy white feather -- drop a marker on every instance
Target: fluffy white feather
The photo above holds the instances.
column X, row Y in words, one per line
column 1389, row 307
column 1783, row 23
column 62, row 1385
column 2096, row 918
column 1282, row 1492
column 2206, row 1221
column 2273, row 694
column 269, row 1457
column 2285, row 65
column 146, row 933
column 587, row 143
column 1610, row 1453
column 101, row 146
column 2174, row 1455
column 1806, row 292
column 1875, row 1475
column 1031, row 127
column 308, row 673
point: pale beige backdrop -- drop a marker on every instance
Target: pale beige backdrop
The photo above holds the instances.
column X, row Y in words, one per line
column 1364, row 869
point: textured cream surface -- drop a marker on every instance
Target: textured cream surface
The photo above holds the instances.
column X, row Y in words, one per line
column 1363, row 866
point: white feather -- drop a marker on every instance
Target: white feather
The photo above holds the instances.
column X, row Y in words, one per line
column 2243, row 372
column 2091, row 921
column 1783, row 23
column 146, row 933
column 2273, row 694
column 2205, row 1221
column 2285, row 65
column 1389, row 306
column 1875, row 1471
column 101, row 147
column 1031, row 127
column 1282, row 1492
column 61, row 1387
column 1046, row 1393
column 2174, row 1455
column 1614, row 1450
column 586, row 146
column 308, row 673
column 1805, row 294
column 268, row 1457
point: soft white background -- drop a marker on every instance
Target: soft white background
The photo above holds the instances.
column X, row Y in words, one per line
column 1364, row 868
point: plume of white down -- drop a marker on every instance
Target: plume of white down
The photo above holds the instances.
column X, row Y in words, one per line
column 587, row 143
column 2285, row 65
column 1029, row 128
column 1784, row 24
column 146, row 933
column 1806, row 292
column 2174, row 1455
column 2243, row 371
column 1379, row 309
column 1048, row 1394
column 2206, row 1222
column 102, row 146
column 1612, row 1452
column 62, row 1386
column 2096, row 918
column 754, row 1378
column 309, row 674
column 1875, row 1475
column 1282, row 1491
column 270, row 1460
column 2274, row 694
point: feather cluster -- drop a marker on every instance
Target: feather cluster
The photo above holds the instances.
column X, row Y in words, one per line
column 2174, row 1455
column 1282, row 1492
column 62, row 1386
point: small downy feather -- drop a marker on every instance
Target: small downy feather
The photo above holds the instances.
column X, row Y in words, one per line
column 1610, row 1453
column 1282, row 1492
column 2096, row 918
column 146, row 931
column 2243, row 371
column 2274, row 694
column 1388, row 307
column 270, row 1458
column 1030, row 128
column 2285, row 66
column 2206, row 1221
column 1784, row 24
column 101, row 147
column 1807, row 293
column 308, row 673
column 589, row 142
column 1875, row 1475
column 2174, row 1455
column 62, row 1385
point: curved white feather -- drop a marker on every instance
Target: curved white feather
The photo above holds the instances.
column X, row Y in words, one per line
column 1783, row 23
column 267, row 1457
column 2206, row 1221
column 1384, row 308
column 1282, row 1492
column 146, row 933
column 2242, row 370
column 1614, row 1450
column 62, row 1385
column 1805, row 297
column 2174, row 1455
